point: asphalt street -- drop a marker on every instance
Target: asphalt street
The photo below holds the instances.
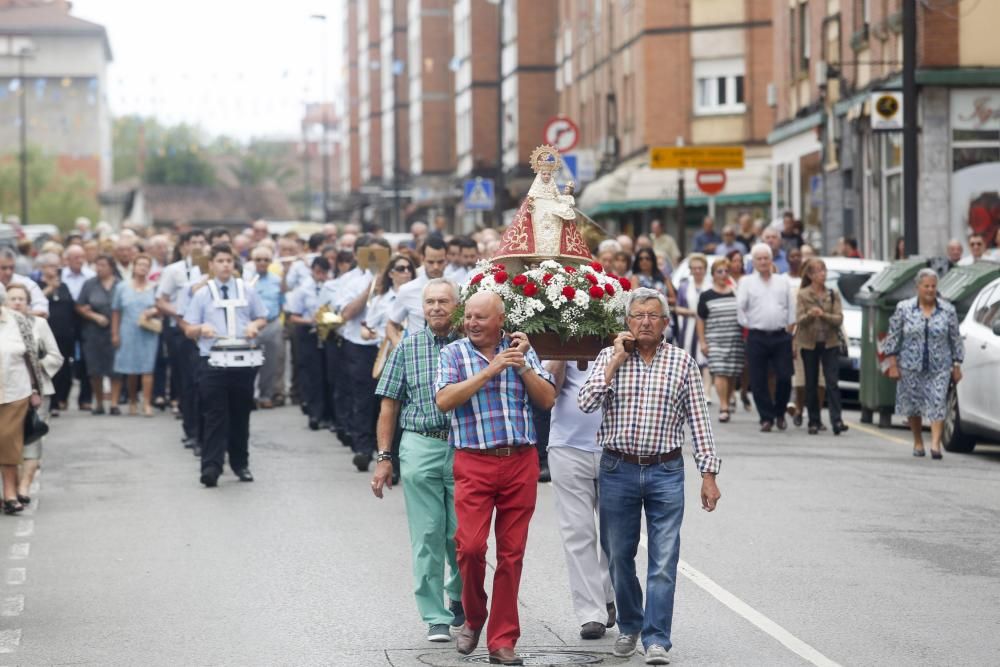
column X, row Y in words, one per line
column 823, row 551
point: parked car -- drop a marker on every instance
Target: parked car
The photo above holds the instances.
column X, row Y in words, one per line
column 847, row 275
column 974, row 403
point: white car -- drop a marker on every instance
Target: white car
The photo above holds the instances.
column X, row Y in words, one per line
column 974, row 404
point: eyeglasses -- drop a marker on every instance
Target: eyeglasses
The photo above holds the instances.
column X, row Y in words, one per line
column 400, row 268
column 642, row 317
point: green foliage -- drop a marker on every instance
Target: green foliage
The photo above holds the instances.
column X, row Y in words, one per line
column 172, row 155
column 257, row 168
column 53, row 197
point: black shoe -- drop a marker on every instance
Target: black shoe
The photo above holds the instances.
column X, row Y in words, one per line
column 97, row 411
column 361, row 461
column 12, row 507
column 114, row 411
column 797, row 420
column 781, row 423
column 210, row 479
column 839, row 427
column 303, row 408
column 937, row 456
column 196, row 450
column 244, row 474
column 592, row 630
column 822, row 426
column 765, row 427
column 458, row 612
column 544, row 475
column 187, row 442
column 612, row 615
column 813, row 429
column 313, row 425
column 24, row 500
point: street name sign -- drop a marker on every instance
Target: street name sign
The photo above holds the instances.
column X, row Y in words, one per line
column 696, row 157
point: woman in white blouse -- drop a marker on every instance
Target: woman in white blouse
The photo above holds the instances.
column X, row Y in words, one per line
column 51, row 360
column 400, row 271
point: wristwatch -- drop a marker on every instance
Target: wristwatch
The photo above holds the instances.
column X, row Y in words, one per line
column 383, row 456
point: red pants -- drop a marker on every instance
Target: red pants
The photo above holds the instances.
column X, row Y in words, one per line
column 483, row 484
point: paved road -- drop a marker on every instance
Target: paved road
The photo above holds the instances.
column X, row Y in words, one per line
column 823, row 551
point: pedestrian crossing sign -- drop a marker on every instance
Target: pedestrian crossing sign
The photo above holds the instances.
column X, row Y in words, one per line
column 478, row 194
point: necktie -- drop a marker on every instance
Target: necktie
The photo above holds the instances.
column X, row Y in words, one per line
column 225, row 311
column 225, row 291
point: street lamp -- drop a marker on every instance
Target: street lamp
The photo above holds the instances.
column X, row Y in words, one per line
column 324, row 151
column 23, row 53
column 500, row 186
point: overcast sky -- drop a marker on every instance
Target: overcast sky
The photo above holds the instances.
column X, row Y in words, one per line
column 243, row 68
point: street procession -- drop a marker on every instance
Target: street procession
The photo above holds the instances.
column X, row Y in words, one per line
column 420, row 336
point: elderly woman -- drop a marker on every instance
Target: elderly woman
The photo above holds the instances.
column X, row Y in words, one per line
column 94, row 308
column 721, row 335
column 62, row 322
column 51, row 360
column 133, row 302
column 925, row 352
column 20, row 378
column 819, row 315
column 688, row 294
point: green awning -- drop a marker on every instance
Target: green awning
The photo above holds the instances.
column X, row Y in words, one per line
column 608, row 207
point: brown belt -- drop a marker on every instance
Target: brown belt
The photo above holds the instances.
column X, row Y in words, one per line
column 499, row 451
column 645, row 460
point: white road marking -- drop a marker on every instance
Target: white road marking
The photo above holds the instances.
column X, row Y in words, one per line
column 12, row 606
column 16, row 576
column 20, row 550
column 25, row 527
column 787, row 639
column 9, row 640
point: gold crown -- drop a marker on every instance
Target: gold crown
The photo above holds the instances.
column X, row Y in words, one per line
column 545, row 158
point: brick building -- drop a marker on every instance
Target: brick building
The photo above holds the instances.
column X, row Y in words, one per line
column 844, row 178
column 634, row 74
column 64, row 62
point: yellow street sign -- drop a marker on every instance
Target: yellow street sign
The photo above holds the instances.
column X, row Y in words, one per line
column 696, row 157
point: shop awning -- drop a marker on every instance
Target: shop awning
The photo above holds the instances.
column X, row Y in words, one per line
column 611, row 207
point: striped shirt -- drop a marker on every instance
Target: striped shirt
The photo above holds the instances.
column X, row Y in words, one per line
column 646, row 405
column 409, row 376
column 499, row 414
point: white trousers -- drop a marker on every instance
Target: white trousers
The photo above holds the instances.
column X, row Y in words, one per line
column 574, row 480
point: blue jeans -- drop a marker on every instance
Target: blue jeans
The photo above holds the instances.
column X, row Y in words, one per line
column 624, row 490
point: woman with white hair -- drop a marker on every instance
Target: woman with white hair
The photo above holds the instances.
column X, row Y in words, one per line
column 924, row 350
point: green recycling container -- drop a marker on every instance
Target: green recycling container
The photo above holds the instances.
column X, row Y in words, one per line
column 961, row 285
column 878, row 298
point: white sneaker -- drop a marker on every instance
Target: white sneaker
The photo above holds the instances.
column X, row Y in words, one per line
column 624, row 645
column 656, row 655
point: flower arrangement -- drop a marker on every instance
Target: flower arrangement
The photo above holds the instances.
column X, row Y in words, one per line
column 571, row 301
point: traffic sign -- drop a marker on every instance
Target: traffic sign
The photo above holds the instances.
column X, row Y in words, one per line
column 561, row 133
column 696, row 157
column 478, row 194
column 710, row 181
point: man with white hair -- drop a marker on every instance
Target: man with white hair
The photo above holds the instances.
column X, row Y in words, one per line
column 779, row 261
column 158, row 247
column 75, row 272
column 764, row 305
column 271, row 378
column 124, row 253
column 954, row 252
column 82, row 226
column 39, row 304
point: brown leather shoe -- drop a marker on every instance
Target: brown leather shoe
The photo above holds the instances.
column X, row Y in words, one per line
column 265, row 404
column 505, row 656
column 467, row 640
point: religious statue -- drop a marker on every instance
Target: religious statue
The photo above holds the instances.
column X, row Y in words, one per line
column 545, row 224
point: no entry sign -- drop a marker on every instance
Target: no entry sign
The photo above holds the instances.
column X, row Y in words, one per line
column 711, row 181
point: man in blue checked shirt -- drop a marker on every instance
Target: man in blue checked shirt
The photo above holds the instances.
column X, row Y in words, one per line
column 271, row 380
column 490, row 383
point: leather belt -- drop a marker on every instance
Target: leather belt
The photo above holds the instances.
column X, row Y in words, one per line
column 499, row 451
column 645, row 459
column 441, row 434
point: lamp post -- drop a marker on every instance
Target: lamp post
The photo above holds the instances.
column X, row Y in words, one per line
column 22, row 91
column 500, row 186
column 324, row 151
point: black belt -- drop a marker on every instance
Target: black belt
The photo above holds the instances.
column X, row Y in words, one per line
column 769, row 332
column 645, row 459
column 441, row 434
column 499, row 451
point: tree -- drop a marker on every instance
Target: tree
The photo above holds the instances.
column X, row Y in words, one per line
column 257, row 168
column 53, row 197
column 166, row 155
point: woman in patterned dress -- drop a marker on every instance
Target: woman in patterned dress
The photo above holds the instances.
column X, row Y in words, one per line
column 925, row 352
column 720, row 334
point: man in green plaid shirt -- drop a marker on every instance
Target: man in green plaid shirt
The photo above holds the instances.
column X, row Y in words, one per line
column 407, row 390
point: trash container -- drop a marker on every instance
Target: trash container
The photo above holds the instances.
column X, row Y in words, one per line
column 961, row 285
column 878, row 298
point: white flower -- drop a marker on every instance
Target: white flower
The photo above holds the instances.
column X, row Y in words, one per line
column 535, row 304
column 581, row 299
column 551, row 265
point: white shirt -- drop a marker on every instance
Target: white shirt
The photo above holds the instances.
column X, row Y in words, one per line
column 571, row 426
column 15, row 380
column 765, row 304
column 378, row 312
column 74, row 281
column 458, row 274
column 174, row 278
column 299, row 271
column 340, row 292
column 409, row 306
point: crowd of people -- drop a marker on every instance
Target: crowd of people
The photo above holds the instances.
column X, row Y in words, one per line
column 359, row 334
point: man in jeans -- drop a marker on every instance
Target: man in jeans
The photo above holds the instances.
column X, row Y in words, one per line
column 647, row 389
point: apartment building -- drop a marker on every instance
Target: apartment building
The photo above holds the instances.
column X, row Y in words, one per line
column 836, row 169
column 369, row 63
column 351, row 154
column 634, row 74
column 476, row 87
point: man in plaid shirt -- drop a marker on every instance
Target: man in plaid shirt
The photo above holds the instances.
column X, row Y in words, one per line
column 489, row 383
column 407, row 390
column 647, row 389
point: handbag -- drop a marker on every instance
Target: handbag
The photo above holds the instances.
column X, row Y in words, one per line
column 383, row 356
column 153, row 324
column 841, row 338
column 35, row 427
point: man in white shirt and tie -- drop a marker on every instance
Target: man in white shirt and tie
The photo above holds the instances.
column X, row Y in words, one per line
column 765, row 307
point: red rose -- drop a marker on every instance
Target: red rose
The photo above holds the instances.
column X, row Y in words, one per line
column 500, row 277
column 476, row 279
column 520, row 280
column 531, row 289
column 547, row 278
column 568, row 292
column 625, row 283
column 611, row 275
column 609, row 289
column 569, row 269
column 596, row 292
column 591, row 277
column 500, row 267
column 596, row 266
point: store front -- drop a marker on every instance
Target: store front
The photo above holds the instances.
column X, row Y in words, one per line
column 975, row 162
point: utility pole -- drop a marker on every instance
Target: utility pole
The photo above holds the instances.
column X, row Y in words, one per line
column 22, row 91
column 324, row 150
column 911, row 228
column 305, row 165
column 500, row 187
column 681, row 215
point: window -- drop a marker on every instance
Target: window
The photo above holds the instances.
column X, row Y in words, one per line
column 804, row 37
column 719, row 86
